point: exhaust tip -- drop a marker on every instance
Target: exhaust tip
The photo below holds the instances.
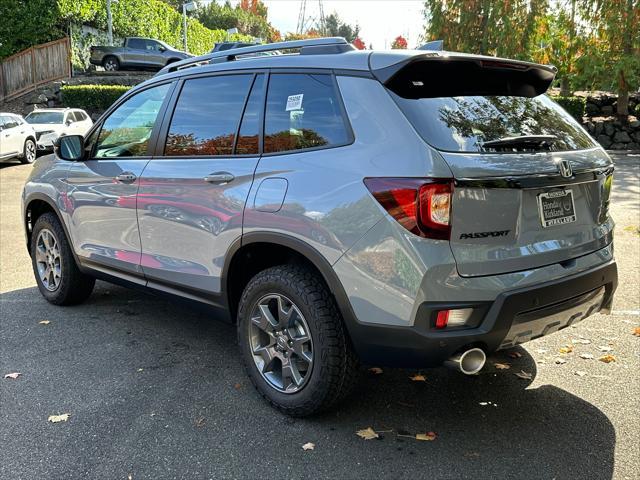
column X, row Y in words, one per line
column 468, row 362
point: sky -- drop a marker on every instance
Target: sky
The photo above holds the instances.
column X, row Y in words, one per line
column 381, row 21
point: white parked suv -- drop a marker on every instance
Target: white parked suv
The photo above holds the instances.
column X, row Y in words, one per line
column 51, row 123
column 17, row 138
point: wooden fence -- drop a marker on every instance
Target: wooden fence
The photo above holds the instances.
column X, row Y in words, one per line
column 24, row 71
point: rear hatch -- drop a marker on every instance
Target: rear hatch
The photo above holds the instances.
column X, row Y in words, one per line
column 531, row 187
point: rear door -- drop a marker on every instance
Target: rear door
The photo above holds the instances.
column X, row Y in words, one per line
column 192, row 193
column 531, row 187
column 136, row 52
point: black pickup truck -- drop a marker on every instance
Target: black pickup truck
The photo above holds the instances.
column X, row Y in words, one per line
column 136, row 52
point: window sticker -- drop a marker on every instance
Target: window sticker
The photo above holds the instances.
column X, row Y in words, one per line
column 294, row 102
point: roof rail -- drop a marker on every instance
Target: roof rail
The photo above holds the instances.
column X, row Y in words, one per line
column 312, row 46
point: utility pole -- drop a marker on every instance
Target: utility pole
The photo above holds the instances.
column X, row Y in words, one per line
column 301, row 17
column 186, row 7
column 109, row 24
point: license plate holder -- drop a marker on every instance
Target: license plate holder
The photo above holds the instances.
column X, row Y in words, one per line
column 556, row 207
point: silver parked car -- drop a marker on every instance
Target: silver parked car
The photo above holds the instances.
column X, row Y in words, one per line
column 17, row 138
column 405, row 208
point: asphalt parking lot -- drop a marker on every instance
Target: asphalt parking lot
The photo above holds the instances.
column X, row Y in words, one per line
column 155, row 390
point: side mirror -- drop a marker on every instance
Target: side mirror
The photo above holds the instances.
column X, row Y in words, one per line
column 162, row 49
column 69, row 147
column 68, row 122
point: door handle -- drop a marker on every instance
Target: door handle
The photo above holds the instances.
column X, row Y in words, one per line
column 126, row 177
column 219, row 178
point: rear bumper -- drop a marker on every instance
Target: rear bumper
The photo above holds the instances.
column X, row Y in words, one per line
column 514, row 317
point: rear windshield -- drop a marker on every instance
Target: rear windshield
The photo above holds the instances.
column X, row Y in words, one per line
column 45, row 117
column 463, row 124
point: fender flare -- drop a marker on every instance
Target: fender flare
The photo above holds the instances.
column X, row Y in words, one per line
column 311, row 254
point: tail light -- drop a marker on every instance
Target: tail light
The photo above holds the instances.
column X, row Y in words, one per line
column 422, row 206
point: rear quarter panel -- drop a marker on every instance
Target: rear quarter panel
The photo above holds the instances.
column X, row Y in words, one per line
column 327, row 204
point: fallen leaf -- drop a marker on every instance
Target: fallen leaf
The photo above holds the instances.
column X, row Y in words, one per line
column 308, row 446
column 514, row 354
column 566, row 349
column 608, row 358
column 200, row 422
column 44, row 322
column 237, row 386
column 59, row 418
column 502, row 366
column 580, row 373
column 376, row 370
column 368, row 433
column 603, row 348
column 418, row 378
column 636, row 331
column 586, row 356
column 560, row 361
column 524, row 375
column 429, row 436
column 141, row 369
column 12, row 376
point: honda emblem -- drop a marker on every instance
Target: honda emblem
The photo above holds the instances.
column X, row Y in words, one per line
column 564, row 167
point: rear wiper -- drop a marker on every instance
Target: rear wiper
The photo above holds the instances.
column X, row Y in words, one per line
column 529, row 142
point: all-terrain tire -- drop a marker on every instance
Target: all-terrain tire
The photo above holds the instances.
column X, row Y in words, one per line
column 72, row 286
column 334, row 368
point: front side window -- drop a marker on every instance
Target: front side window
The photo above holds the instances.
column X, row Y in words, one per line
column 206, row 116
column 303, row 111
column 127, row 131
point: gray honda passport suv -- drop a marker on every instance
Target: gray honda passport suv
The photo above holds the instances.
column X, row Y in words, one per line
column 404, row 208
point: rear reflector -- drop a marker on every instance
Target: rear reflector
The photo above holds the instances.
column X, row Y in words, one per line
column 421, row 205
column 442, row 319
column 453, row 318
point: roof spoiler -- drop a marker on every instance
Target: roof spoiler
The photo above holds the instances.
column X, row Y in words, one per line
column 435, row 45
column 438, row 74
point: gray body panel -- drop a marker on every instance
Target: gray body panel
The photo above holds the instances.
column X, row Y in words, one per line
column 186, row 224
column 173, row 231
column 101, row 212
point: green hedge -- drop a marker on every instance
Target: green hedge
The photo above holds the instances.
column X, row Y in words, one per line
column 25, row 23
column 574, row 105
column 145, row 18
column 91, row 97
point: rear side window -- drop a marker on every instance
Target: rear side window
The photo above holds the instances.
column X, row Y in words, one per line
column 464, row 124
column 303, row 111
column 138, row 43
column 207, row 115
column 249, row 137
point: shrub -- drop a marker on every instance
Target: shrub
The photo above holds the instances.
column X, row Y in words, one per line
column 91, row 97
column 574, row 105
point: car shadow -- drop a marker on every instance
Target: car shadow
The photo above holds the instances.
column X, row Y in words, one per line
column 141, row 374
